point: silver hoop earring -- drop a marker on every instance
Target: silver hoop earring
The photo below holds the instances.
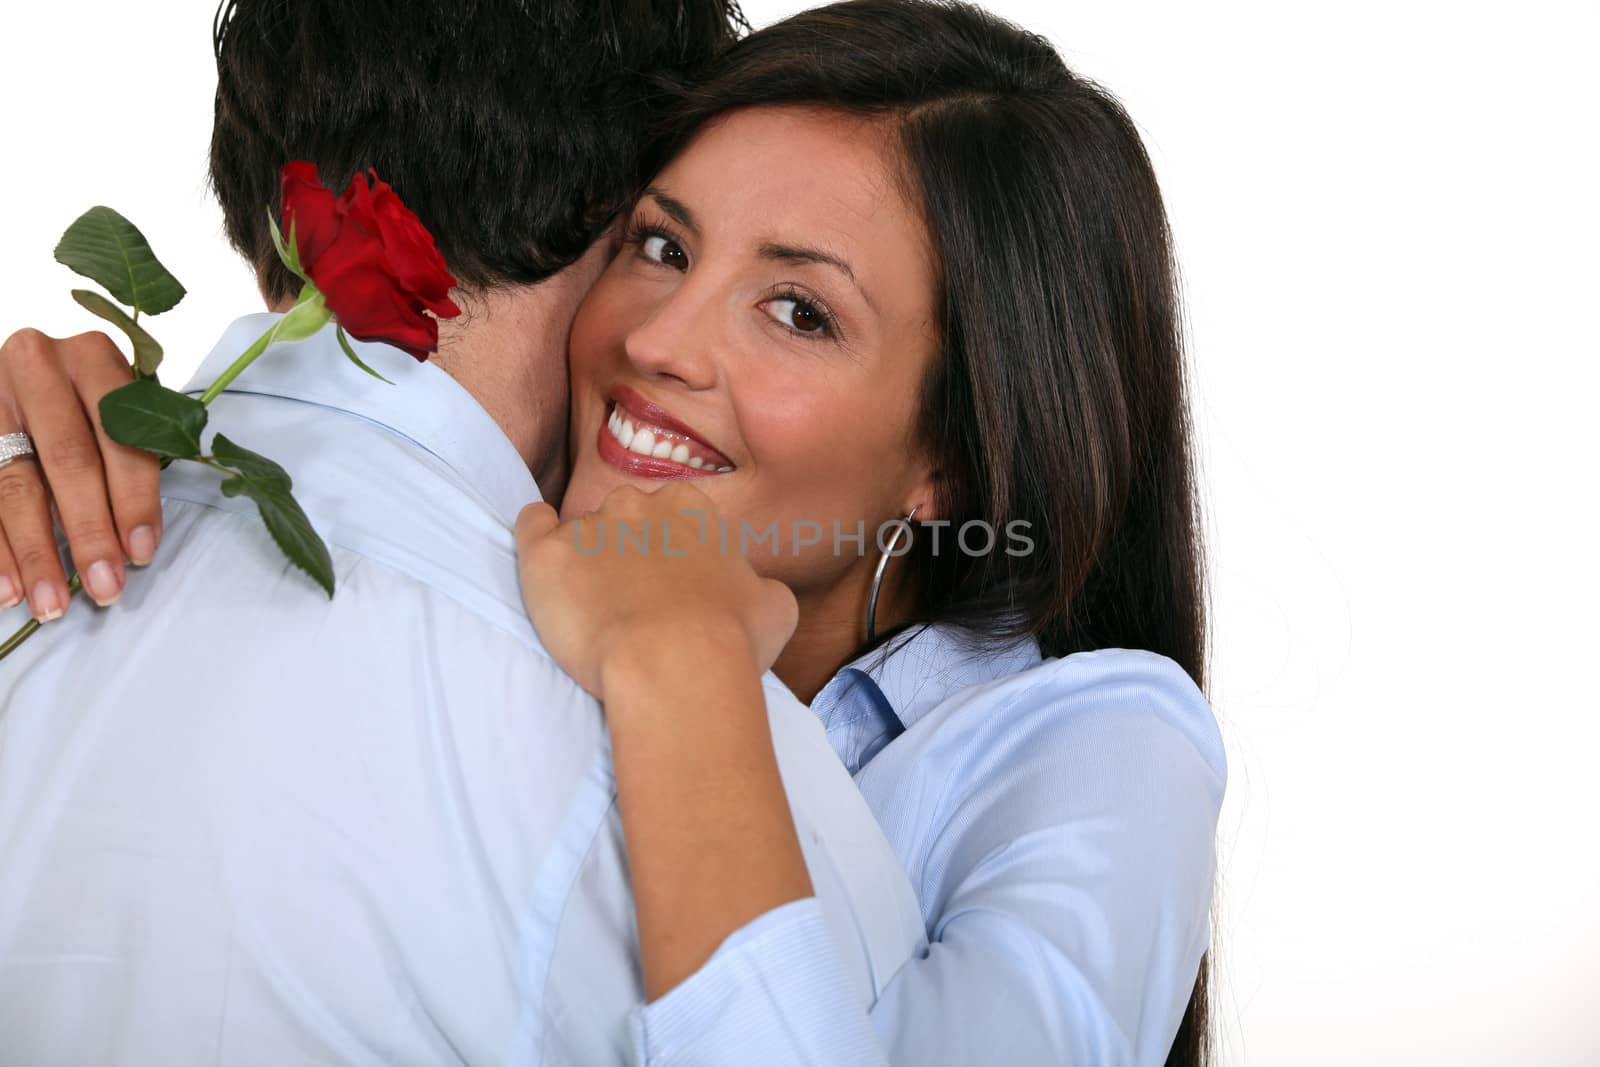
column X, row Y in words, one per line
column 877, row 579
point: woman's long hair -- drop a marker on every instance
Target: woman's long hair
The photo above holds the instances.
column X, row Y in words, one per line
column 1058, row 394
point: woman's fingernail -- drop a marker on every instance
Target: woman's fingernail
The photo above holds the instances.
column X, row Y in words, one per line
column 46, row 601
column 101, row 582
column 10, row 595
column 142, row 545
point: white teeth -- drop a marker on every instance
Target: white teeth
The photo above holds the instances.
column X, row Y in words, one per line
column 644, row 442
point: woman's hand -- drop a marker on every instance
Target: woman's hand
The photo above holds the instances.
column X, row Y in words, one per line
column 107, row 495
column 644, row 569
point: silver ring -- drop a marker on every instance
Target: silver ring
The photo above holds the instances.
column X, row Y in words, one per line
column 14, row 446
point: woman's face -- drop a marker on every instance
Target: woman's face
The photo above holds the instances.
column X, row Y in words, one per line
column 764, row 331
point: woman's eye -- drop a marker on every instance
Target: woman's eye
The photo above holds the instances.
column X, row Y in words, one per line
column 661, row 250
column 798, row 315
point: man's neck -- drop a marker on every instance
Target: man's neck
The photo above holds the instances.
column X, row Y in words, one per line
column 509, row 350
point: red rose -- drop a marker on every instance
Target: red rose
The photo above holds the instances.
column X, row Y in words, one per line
column 372, row 259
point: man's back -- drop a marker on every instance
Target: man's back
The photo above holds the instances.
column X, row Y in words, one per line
column 243, row 824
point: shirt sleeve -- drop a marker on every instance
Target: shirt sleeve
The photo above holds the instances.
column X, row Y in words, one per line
column 1068, row 871
column 775, row 993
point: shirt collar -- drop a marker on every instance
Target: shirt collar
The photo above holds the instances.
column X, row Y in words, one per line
column 884, row 692
column 425, row 405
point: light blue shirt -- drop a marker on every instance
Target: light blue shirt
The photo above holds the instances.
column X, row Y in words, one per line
column 1057, row 819
column 241, row 824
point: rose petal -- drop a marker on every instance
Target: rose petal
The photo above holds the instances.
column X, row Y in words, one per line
column 364, row 297
column 309, row 210
column 413, row 257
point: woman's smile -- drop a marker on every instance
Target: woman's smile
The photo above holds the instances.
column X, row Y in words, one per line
column 641, row 437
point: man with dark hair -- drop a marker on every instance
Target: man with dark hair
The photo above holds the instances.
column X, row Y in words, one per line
column 513, row 129
column 242, row 824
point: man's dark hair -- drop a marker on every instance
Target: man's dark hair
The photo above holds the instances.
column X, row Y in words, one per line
column 513, row 128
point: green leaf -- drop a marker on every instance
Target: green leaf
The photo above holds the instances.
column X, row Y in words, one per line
column 252, row 465
column 269, row 486
column 106, row 248
column 350, row 354
column 288, row 251
column 151, row 416
column 146, row 352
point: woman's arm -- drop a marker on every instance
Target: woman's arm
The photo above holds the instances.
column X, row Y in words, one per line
column 710, row 840
column 1059, row 827
column 673, row 643
column 1066, row 862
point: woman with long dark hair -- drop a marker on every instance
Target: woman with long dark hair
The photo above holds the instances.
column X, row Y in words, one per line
column 900, row 270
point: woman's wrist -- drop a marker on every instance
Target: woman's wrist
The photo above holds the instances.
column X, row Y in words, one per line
column 639, row 653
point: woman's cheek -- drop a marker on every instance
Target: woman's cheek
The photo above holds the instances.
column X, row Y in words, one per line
column 810, row 471
column 591, row 329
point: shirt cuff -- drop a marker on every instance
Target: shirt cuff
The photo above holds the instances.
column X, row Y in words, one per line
column 775, row 992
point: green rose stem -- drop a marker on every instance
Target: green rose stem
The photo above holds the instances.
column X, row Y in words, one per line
column 237, row 367
column 309, row 314
column 29, row 628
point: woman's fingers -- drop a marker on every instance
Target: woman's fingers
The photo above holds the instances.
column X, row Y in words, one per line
column 132, row 475
column 10, row 577
column 32, row 562
column 69, row 453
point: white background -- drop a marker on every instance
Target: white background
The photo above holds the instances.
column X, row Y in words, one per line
column 1387, row 220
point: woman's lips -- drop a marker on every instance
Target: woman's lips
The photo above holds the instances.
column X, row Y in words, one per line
column 645, row 439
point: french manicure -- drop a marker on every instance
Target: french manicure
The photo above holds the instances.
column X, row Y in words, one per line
column 47, row 602
column 142, row 545
column 10, row 595
column 101, row 582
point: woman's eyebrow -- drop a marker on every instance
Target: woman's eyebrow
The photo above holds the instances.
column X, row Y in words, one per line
column 675, row 208
column 802, row 254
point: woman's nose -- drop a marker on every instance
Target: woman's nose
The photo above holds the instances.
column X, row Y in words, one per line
column 678, row 340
